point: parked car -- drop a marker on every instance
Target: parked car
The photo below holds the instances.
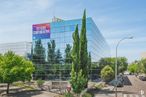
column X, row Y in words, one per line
column 142, row 77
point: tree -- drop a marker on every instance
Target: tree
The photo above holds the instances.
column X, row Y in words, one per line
column 121, row 63
column 107, row 73
column 75, row 50
column 133, row 68
column 14, row 68
column 83, row 53
column 58, row 57
column 89, row 63
column 142, row 65
column 80, row 59
column 68, row 58
column 106, row 61
column 39, row 53
column 51, row 51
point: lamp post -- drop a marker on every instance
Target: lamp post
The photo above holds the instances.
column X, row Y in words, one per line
column 116, row 61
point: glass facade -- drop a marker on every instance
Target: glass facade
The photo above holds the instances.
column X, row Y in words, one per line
column 61, row 32
column 19, row 48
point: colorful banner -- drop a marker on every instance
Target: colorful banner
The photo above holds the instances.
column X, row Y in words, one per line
column 41, row 31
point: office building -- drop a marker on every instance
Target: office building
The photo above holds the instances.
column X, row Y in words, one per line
column 60, row 31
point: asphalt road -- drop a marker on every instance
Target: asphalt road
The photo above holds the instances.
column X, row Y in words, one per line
column 133, row 87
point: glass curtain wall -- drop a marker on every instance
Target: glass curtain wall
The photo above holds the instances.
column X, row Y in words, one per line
column 52, row 55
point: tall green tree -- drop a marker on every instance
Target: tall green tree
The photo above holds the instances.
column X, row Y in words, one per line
column 14, row 68
column 89, row 63
column 68, row 58
column 80, row 59
column 75, row 50
column 38, row 53
column 83, row 53
column 51, row 51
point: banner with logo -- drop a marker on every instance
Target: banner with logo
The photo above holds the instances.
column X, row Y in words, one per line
column 41, row 31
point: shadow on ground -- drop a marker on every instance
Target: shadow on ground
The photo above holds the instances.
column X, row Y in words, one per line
column 28, row 93
column 127, row 81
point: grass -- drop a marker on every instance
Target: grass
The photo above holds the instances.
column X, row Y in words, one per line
column 99, row 86
column 23, row 85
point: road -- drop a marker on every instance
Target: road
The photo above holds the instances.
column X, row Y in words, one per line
column 133, row 87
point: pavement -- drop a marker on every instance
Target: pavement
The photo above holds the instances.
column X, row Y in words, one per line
column 20, row 92
column 133, row 87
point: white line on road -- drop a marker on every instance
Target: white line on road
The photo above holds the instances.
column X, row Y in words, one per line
column 125, row 95
column 130, row 95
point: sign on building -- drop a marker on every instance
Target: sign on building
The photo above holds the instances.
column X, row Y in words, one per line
column 41, row 31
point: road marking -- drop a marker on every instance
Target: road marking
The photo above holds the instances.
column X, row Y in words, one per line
column 136, row 95
column 125, row 95
column 132, row 95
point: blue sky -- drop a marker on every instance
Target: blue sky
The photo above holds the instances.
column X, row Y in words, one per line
column 115, row 19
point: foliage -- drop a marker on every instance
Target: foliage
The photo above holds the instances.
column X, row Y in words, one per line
column 24, row 85
column 68, row 58
column 87, row 95
column 14, row 68
column 121, row 63
column 40, row 82
column 107, row 73
column 77, row 81
column 68, row 95
column 38, row 53
column 83, row 53
column 75, row 50
column 138, row 66
column 143, row 63
column 133, row 68
column 89, row 63
column 81, row 61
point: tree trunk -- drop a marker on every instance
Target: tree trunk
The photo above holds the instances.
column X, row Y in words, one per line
column 8, row 85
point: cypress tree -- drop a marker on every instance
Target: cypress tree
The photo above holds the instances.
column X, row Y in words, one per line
column 75, row 50
column 83, row 53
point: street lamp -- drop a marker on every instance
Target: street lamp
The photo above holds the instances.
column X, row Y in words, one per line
column 116, row 69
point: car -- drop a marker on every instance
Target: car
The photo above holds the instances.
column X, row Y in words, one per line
column 141, row 77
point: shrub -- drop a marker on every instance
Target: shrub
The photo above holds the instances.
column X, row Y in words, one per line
column 107, row 73
column 87, row 95
column 68, row 95
column 40, row 82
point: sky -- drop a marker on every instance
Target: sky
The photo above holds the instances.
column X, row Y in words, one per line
column 114, row 18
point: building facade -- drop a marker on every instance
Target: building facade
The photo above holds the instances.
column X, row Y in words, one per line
column 61, row 33
column 19, row 48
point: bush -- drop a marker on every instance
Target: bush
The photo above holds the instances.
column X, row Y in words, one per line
column 40, row 82
column 68, row 95
column 107, row 73
column 87, row 95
